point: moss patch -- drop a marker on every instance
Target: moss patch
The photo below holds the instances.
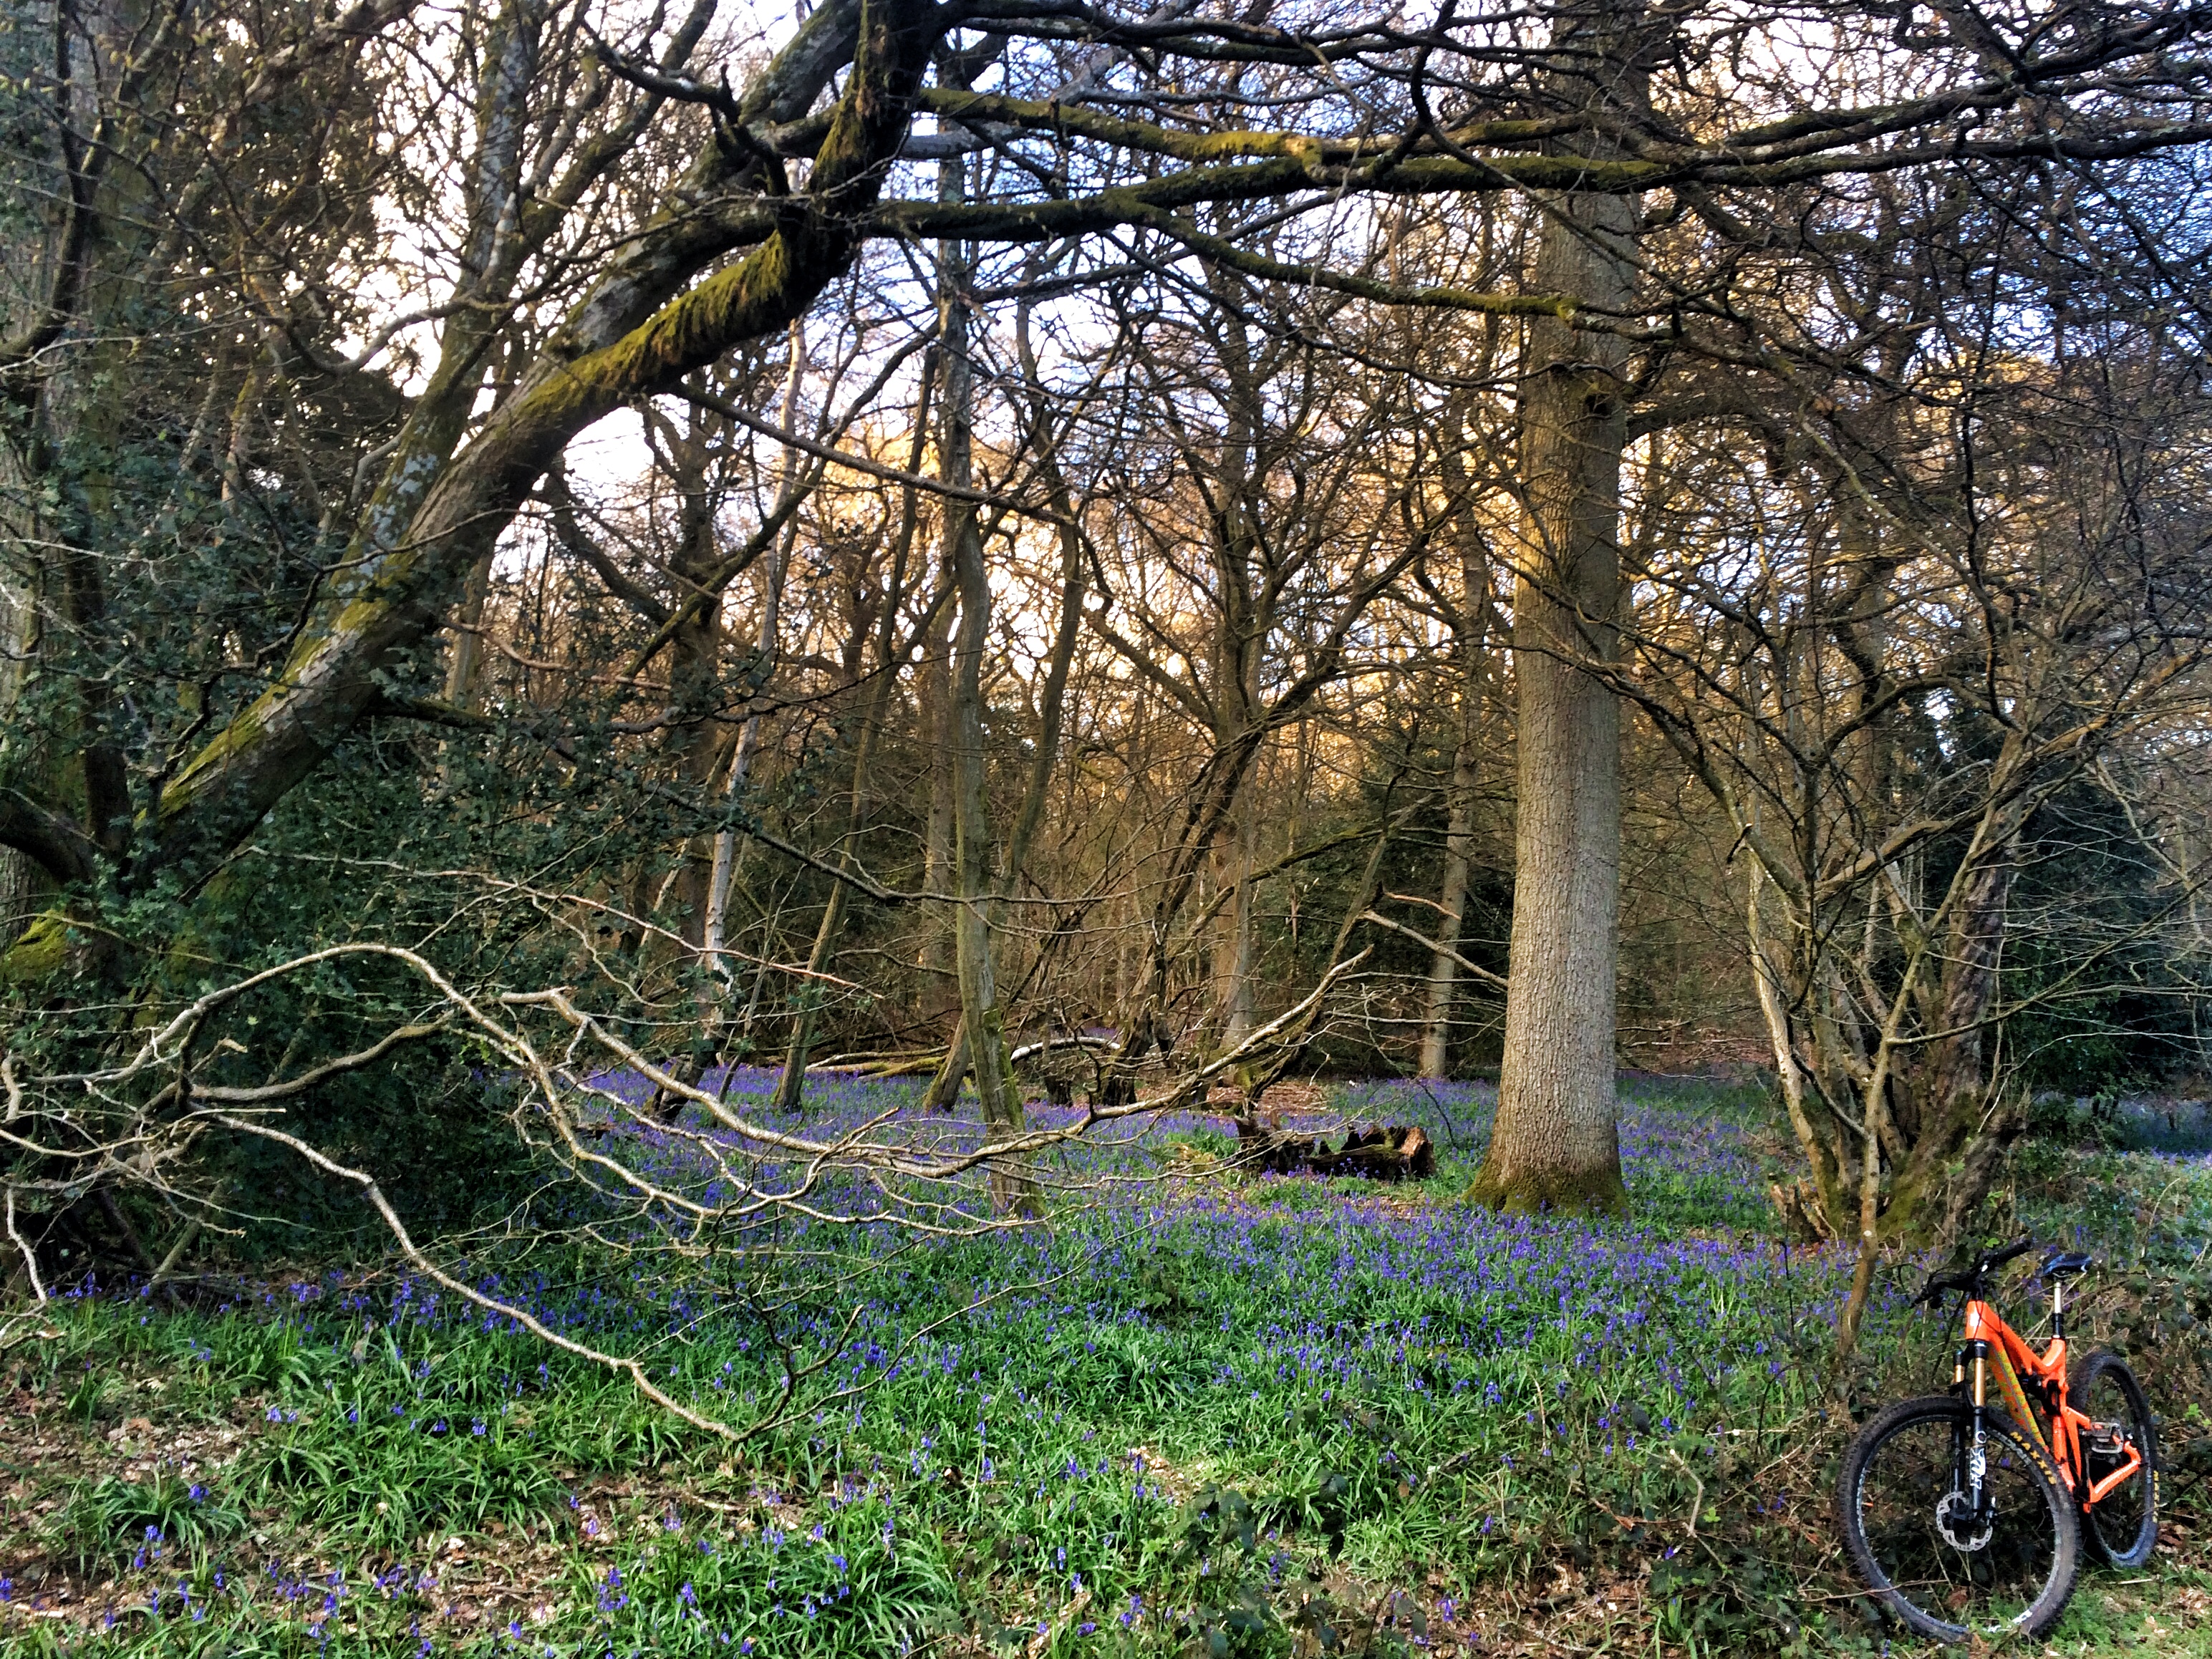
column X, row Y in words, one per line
column 1558, row 1191
column 40, row 954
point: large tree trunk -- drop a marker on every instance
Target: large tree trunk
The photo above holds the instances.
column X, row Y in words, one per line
column 1556, row 1144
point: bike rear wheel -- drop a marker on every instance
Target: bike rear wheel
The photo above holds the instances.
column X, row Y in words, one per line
column 1912, row 1534
column 2121, row 1529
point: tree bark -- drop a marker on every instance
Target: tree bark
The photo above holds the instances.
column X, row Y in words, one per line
column 934, row 699
column 724, row 862
column 1963, row 1125
column 1233, row 945
column 981, row 1017
column 1556, row 1144
column 468, row 641
column 1243, row 618
column 1051, row 701
column 1470, row 622
column 941, row 712
column 1458, row 843
column 694, row 675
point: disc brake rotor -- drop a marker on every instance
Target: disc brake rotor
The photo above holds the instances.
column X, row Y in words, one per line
column 1961, row 1527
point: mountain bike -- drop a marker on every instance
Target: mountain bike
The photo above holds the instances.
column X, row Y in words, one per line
column 1965, row 1513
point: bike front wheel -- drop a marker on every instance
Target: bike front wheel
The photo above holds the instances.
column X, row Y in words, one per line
column 2121, row 1529
column 1943, row 1568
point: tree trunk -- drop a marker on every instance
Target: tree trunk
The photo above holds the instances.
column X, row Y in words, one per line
column 468, row 640
column 74, row 281
column 23, row 755
column 695, row 674
column 940, row 710
column 1470, row 626
column 1459, row 843
column 935, row 701
column 440, row 504
column 1813, row 1206
column 981, row 1017
column 713, row 938
column 1052, row 700
column 1232, row 945
column 1964, row 1123
column 790, row 1088
column 1242, row 620
column 1556, row 1144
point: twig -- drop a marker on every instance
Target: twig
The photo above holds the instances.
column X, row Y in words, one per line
column 30, row 1262
column 1696, row 1504
column 1442, row 950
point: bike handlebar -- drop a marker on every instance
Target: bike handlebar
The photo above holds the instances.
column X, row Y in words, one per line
column 1998, row 1258
column 1969, row 1279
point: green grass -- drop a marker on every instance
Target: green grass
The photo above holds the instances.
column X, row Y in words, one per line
column 1253, row 1419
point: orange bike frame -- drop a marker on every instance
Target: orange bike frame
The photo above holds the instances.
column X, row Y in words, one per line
column 2015, row 1369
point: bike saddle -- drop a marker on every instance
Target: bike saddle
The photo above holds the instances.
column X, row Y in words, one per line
column 2067, row 1264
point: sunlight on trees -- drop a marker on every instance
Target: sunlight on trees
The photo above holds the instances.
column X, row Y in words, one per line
column 1198, row 547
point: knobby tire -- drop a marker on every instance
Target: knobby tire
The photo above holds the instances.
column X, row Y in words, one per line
column 1893, row 1476
column 2122, row 1530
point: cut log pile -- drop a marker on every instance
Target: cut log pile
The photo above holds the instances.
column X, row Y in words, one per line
column 1399, row 1152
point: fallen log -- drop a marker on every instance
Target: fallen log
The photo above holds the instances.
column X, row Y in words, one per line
column 1400, row 1151
column 877, row 1064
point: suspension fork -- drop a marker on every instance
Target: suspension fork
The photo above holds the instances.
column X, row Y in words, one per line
column 1973, row 1477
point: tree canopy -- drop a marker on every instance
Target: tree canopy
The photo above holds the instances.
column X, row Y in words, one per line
column 952, row 530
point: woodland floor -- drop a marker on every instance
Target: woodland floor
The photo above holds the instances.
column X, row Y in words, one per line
column 1205, row 1413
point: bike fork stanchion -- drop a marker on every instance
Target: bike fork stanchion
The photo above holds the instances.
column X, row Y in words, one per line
column 1978, row 1458
column 1964, row 1515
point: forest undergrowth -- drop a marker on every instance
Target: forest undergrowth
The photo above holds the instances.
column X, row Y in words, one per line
column 1200, row 1412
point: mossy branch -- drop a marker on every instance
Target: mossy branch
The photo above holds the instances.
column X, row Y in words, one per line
column 412, row 565
column 1150, row 138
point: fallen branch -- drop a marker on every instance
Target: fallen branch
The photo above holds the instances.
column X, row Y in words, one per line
column 1401, row 1152
column 1497, row 981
